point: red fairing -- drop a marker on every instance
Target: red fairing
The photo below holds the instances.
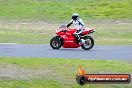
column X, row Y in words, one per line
column 87, row 31
column 68, row 38
column 71, row 31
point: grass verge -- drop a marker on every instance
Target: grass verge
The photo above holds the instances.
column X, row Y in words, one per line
column 57, row 10
column 57, row 73
column 110, row 32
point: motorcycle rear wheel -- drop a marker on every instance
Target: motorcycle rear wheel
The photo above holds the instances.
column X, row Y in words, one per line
column 55, row 42
column 89, row 43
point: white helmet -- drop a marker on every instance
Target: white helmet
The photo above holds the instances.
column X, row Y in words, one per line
column 75, row 16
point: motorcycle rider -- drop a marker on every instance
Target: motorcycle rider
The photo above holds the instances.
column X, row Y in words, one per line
column 79, row 25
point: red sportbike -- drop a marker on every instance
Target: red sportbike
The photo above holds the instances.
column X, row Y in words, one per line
column 65, row 38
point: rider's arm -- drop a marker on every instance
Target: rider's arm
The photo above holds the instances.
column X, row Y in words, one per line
column 69, row 23
column 81, row 22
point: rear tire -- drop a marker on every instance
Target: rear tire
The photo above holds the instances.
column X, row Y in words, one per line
column 56, row 42
column 89, row 43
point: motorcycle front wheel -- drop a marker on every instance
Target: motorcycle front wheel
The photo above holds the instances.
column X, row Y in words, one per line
column 89, row 43
column 55, row 42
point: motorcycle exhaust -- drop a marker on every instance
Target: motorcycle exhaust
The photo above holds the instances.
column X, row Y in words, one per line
column 82, row 41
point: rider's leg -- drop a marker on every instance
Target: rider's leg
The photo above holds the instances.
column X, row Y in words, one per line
column 77, row 34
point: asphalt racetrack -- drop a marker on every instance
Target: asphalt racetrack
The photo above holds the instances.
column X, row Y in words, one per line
column 105, row 52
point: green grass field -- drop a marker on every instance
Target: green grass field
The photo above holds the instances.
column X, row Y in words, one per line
column 109, row 33
column 103, row 15
column 56, row 73
column 35, row 21
column 61, row 10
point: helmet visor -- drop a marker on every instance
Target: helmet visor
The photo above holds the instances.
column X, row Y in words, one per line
column 74, row 17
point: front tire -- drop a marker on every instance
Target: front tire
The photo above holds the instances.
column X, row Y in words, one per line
column 56, row 42
column 89, row 43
